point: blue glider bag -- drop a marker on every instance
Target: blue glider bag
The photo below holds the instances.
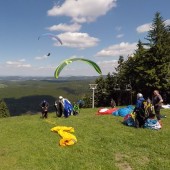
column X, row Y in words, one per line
column 68, row 108
column 123, row 111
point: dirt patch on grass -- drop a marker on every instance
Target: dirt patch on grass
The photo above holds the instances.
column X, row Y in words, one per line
column 121, row 162
column 144, row 160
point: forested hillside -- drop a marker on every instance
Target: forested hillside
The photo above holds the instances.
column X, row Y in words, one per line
column 25, row 96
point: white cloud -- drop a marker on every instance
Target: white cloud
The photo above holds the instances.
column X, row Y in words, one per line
column 12, row 68
column 107, row 66
column 65, row 27
column 12, row 62
column 78, row 40
column 144, row 28
column 124, row 48
column 48, row 67
column 24, row 65
column 22, row 60
column 119, row 35
column 82, row 10
column 167, row 22
column 73, row 69
column 41, row 58
column 18, row 64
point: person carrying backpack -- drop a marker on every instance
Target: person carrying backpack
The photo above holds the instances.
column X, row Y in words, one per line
column 139, row 111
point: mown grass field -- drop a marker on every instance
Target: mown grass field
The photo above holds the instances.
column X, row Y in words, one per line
column 104, row 143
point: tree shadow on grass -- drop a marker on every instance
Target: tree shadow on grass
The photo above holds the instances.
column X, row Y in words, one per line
column 28, row 104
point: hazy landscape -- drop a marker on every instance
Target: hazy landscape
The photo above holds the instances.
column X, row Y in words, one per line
column 24, row 94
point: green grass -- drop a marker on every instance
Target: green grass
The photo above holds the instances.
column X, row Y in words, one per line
column 26, row 142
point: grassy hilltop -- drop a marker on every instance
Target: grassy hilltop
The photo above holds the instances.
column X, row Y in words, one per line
column 103, row 143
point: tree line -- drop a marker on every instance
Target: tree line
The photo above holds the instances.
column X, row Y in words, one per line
column 147, row 69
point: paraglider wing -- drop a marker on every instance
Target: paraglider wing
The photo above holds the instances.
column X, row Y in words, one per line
column 59, row 68
column 68, row 61
column 52, row 36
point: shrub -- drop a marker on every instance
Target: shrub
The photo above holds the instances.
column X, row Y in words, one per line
column 4, row 112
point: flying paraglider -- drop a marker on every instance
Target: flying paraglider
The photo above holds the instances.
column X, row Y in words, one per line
column 48, row 54
column 52, row 36
column 68, row 61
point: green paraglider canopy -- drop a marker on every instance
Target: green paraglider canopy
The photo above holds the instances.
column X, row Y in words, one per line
column 68, row 61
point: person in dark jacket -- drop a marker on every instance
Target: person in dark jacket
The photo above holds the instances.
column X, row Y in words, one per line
column 44, row 108
column 139, row 111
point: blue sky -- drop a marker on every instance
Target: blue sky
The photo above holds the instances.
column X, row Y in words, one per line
column 99, row 30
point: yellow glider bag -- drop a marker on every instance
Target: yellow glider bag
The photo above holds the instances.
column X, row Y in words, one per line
column 67, row 138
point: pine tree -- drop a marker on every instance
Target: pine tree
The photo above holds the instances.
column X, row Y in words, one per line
column 4, row 112
column 149, row 68
column 159, row 54
column 100, row 92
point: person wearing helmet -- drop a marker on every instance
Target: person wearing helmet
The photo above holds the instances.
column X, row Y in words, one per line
column 59, row 106
column 64, row 107
column 44, row 108
column 60, row 97
column 139, row 111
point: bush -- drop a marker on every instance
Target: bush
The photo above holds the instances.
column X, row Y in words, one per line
column 4, row 112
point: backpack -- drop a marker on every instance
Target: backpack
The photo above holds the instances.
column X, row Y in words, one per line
column 149, row 109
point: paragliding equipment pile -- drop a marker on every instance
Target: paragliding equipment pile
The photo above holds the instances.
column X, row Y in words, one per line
column 93, row 87
column 67, row 139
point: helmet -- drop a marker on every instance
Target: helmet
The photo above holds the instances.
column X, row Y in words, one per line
column 60, row 97
column 139, row 95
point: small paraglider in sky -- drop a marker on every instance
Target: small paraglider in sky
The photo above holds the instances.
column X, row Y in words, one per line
column 48, row 54
column 52, row 36
column 70, row 60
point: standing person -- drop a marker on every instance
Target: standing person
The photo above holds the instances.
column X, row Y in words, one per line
column 44, row 108
column 139, row 111
column 157, row 103
column 66, row 106
column 112, row 103
column 59, row 106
